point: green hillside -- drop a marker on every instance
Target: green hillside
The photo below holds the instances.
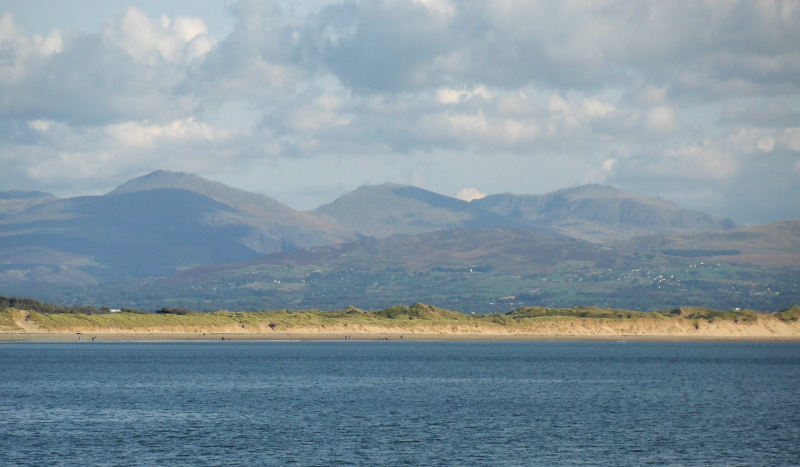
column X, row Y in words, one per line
column 468, row 270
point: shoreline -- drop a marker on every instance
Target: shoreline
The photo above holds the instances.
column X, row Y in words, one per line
column 403, row 323
column 87, row 337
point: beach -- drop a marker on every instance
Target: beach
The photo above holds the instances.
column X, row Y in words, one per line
column 20, row 325
column 585, row 332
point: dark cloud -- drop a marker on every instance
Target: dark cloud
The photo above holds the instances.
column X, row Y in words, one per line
column 761, row 114
column 386, row 46
column 702, row 47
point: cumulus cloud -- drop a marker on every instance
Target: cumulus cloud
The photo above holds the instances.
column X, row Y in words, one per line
column 152, row 41
column 604, row 173
column 649, row 96
column 133, row 135
column 116, row 75
column 398, row 46
column 469, row 194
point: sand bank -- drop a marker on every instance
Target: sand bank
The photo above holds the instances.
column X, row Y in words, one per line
column 174, row 337
column 25, row 326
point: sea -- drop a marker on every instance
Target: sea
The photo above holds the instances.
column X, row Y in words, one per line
column 330, row 403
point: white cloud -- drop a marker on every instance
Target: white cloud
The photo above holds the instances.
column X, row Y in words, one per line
column 576, row 112
column 442, row 8
column 750, row 140
column 662, row 120
column 8, row 27
column 149, row 40
column 469, row 194
column 704, row 161
column 647, row 95
column 449, row 96
column 602, row 174
column 133, row 134
column 791, row 138
column 100, row 78
column 41, row 125
column 417, row 179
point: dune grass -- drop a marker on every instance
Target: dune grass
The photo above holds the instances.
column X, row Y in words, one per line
column 408, row 317
column 7, row 322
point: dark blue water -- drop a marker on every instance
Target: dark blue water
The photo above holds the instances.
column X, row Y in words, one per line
column 400, row 403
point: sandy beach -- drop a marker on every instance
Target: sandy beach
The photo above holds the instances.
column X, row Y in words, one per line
column 378, row 336
column 175, row 337
column 24, row 326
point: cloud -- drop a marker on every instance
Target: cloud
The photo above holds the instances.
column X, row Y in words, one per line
column 648, row 96
column 469, row 194
column 710, row 47
column 134, row 135
column 661, row 120
column 602, row 174
column 113, row 76
column 151, row 41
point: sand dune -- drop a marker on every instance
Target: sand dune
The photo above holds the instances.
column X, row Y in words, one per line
column 764, row 328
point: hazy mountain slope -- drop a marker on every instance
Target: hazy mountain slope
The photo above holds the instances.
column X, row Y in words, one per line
column 601, row 213
column 147, row 233
column 389, row 209
column 16, row 201
column 290, row 227
column 214, row 236
column 483, row 270
column 505, row 249
column 776, row 243
column 151, row 226
column 448, row 266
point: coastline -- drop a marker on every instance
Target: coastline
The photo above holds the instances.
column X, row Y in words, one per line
column 440, row 325
column 87, row 337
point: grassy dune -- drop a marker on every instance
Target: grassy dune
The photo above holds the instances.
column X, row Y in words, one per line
column 425, row 320
column 8, row 322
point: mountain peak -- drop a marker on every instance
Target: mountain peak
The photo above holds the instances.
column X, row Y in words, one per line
column 599, row 213
column 240, row 199
column 597, row 191
column 392, row 209
column 165, row 179
column 274, row 216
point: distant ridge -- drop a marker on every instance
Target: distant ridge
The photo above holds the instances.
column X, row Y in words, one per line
column 139, row 234
column 13, row 202
column 388, row 210
column 22, row 194
column 383, row 244
column 301, row 228
column 510, row 249
column 153, row 225
column 234, row 197
column 488, row 269
column 777, row 243
column 601, row 213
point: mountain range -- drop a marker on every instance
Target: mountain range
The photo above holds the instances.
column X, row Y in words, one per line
column 601, row 213
column 170, row 224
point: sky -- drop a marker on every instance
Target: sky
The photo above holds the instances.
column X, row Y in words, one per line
column 696, row 101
